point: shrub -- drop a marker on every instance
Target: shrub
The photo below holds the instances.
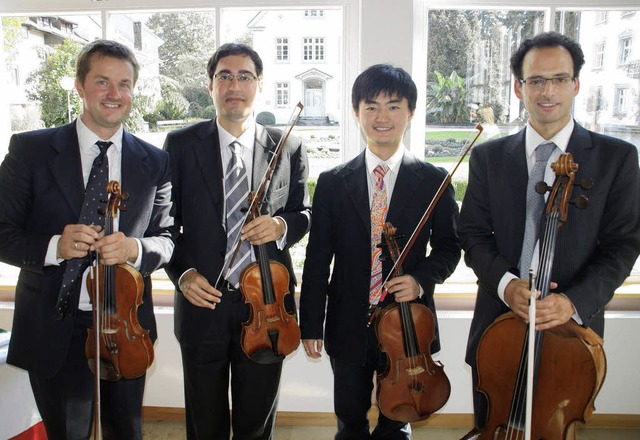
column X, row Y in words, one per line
column 266, row 118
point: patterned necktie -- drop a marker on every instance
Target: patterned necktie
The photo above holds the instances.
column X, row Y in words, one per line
column 236, row 186
column 535, row 206
column 94, row 195
column 378, row 215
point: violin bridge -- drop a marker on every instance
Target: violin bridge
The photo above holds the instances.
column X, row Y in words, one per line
column 415, row 370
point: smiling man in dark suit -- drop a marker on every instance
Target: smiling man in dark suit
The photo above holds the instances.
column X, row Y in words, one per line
column 210, row 309
column 346, row 209
column 596, row 247
column 43, row 231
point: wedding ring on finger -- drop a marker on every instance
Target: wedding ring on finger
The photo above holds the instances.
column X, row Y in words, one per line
column 75, row 245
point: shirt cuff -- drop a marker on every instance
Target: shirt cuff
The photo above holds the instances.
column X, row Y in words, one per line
column 51, row 257
column 502, row 285
column 281, row 243
column 138, row 261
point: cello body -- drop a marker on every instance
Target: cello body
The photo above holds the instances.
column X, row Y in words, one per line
column 413, row 385
column 569, row 377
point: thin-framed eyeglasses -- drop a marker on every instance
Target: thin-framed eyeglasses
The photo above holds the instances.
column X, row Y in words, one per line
column 226, row 78
column 540, row 82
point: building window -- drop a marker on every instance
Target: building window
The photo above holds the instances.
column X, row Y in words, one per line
column 599, row 55
column 282, row 50
column 622, row 100
column 313, row 13
column 313, row 49
column 282, row 94
column 625, row 50
column 601, row 17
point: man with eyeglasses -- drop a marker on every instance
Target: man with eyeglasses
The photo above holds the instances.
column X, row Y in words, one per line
column 596, row 247
column 214, row 164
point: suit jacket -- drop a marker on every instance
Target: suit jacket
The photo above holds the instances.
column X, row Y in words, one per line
column 42, row 191
column 596, row 248
column 341, row 231
column 198, row 196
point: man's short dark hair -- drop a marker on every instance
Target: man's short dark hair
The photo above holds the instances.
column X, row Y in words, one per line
column 105, row 48
column 547, row 39
column 383, row 78
column 229, row 49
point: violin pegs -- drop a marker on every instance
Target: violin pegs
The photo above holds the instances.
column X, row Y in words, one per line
column 580, row 202
column 122, row 207
column 586, row 183
column 124, row 196
column 542, row 187
column 101, row 211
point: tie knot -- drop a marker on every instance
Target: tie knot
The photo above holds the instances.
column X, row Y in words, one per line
column 381, row 170
column 234, row 146
column 543, row 151
column 104, row 146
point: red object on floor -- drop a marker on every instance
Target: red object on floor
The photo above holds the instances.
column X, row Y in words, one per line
column 36, row 432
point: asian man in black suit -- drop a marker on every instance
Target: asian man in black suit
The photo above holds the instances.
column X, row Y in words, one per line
column 209, row 308
column 347, row 207
column 42, row 193
column 596, row 247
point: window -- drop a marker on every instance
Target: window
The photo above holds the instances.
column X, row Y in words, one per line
column 313, row 49
column 599, row 55
column 282, row 94
column 601, row 17
column 622, row 100
column 282, row 50
column 313, row 13
column 625, row 50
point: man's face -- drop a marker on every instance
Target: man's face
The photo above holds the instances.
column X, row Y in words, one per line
column 234, row 99
column 106, row 94
column 384, row 120
column 549, row 107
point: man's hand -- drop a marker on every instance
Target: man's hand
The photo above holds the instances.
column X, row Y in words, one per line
column 404, row 288
column 262, row 230
column 552, row 311
column 77, row 240
column 313, row 348
column 116, row 248
column 197, row 290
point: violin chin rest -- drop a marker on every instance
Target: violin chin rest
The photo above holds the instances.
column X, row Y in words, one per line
column 266, row 356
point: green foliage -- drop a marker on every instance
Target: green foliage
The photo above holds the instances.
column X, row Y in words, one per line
column 198, row 97
column 311, row 184
column 12, row 28
column 446, row 100
column 266, row 118
column 173, row 106
column 449, row 37
column 460, row 187
column 45, row 85
column 209, row 112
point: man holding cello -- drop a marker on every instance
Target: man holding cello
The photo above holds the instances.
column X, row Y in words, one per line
column 383, row 183
column 596, row 247
column 214, row 165
column 45, row 230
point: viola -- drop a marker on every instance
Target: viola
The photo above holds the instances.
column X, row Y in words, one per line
column 271, row 332
column 566, row 365
column 117, row 346
column 413, row 386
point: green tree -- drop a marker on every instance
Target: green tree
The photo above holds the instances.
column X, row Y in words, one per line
column 12, row 28
column 446, row 100
column 449, row 43
column 45, row 89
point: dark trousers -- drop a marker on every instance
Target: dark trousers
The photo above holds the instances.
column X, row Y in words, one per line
column 352, row 388
column 254, row 387
column 66, row 400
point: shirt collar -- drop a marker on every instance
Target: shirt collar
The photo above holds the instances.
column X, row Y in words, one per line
column 246, row 139
column 561, row 139
column 393, row 162
column 87, row 138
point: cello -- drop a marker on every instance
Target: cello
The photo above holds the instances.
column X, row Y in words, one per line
column 413, row 386
column 568, row 362
column 271, row 332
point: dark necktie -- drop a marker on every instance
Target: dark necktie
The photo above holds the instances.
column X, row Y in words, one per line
column 94, row 195
column 535, row 206
column 236, row 187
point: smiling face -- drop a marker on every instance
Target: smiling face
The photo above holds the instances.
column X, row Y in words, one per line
column 234, row 100
column 550, row 107
column 383, row 121
column 106, row 94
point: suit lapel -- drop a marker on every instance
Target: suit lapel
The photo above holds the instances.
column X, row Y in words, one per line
column 262, row 151
column 580, row 147
column 66, row 167
column 134, row 177
column 209, row 160
column 406, row 183
column 355, row 180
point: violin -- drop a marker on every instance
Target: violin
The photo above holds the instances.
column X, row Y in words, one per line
column 566, row 365
column 271, row 332
column 117, row 346
column 413, row 386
